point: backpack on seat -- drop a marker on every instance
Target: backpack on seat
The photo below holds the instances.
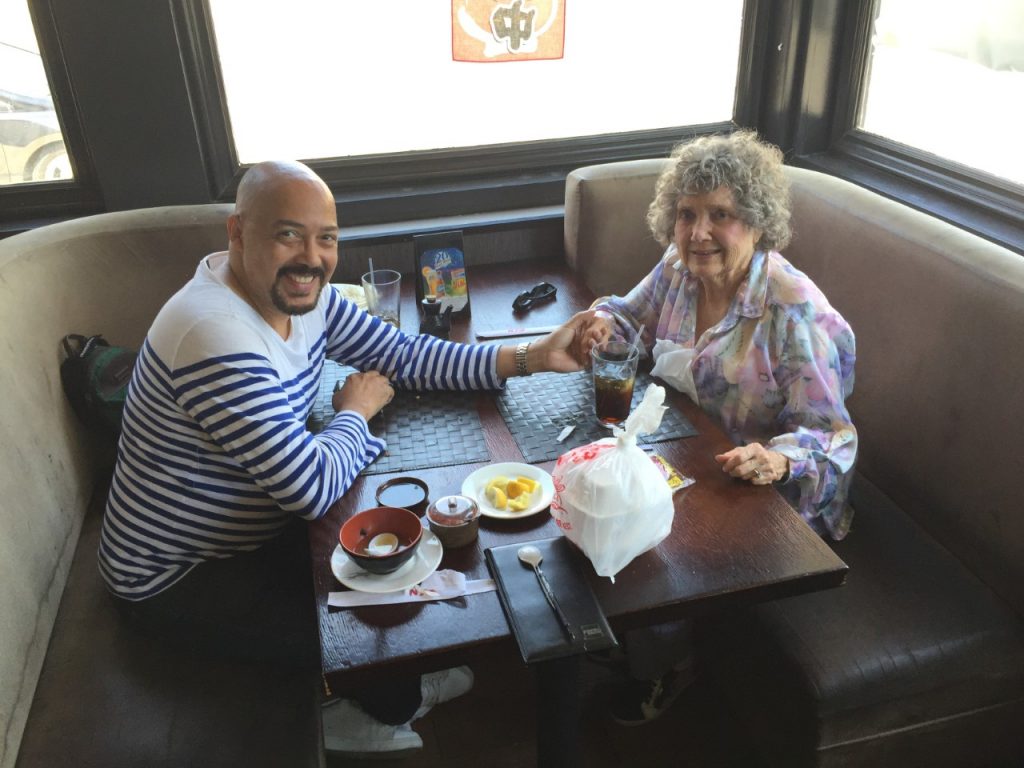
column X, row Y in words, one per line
column 95, row 377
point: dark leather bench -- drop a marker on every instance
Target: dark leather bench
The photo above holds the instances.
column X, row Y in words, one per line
column 914, row 661
column 111, row 698
column 919, row 659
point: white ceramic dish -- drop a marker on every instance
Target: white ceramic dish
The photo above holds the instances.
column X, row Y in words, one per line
column 353, row 293
column 425, row 562
column 473, row 486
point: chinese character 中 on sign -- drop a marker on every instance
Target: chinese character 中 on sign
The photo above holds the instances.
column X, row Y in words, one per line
column 507, row 30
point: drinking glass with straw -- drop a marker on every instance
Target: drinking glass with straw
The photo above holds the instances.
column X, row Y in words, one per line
column 613, row 365
column 383, row 289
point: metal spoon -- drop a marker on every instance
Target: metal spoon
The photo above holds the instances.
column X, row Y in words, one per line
column 532, row 557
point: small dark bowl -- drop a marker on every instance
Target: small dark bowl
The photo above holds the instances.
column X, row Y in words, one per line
column 357, row 531
column 406, row 492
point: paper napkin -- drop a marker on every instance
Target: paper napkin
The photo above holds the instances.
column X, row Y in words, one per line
column 440, row 585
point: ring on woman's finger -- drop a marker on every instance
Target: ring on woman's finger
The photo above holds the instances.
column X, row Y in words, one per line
column 757, row 474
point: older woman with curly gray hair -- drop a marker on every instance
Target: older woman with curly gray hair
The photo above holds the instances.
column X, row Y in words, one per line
column 749, row 338
column 754, row 342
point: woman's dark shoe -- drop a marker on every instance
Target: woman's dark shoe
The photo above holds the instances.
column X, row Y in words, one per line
column 641, row 701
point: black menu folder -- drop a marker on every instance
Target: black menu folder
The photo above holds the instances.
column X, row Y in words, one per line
column 538, row 631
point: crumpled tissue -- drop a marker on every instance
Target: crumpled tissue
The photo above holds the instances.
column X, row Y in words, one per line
column 672, row 365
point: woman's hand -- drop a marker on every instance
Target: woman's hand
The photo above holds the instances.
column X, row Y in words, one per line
column 755, row 463
column 594, row 329
column 365, row 393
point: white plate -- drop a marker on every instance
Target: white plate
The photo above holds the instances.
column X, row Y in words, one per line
column 353, row 293
column 473, row 486
column 422, row 564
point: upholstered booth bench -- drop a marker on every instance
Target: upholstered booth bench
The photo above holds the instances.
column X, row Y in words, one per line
column 919, row 659
column 77, row 686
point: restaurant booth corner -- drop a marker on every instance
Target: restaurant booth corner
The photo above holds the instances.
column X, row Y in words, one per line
column 105, row 696
column 918, row 660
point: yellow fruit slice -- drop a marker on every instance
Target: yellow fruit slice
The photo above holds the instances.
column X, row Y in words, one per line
column 515, row 489
column 529, row 483
column 518, row 505
column 498, row 482
column 496, row 496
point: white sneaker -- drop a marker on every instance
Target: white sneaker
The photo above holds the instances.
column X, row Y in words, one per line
column 349, row 731
column 439, row 687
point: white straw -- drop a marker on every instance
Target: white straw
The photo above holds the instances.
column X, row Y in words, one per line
column 372, row 280
column 636, row 331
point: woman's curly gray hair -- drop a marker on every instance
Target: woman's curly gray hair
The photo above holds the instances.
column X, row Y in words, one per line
column 740, row 161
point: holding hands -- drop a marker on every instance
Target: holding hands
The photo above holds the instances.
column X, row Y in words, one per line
column 567, row 349
column 595, row 328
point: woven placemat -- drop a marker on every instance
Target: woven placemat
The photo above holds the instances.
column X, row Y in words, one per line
column 537, row 408
column 422, row 429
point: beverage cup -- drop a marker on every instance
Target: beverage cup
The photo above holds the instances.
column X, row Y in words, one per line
column 383, row 289
column 614, row 367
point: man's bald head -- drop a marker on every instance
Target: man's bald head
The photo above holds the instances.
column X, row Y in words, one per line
column 268, row 177
column 282, row 240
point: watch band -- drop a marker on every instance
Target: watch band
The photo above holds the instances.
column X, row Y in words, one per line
column 521, row 350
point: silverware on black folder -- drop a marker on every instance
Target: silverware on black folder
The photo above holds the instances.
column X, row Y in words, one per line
column 532, row 557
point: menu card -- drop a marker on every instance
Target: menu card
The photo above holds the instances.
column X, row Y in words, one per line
column 538, row 631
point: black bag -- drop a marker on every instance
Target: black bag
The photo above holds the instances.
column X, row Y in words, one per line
column 95, row 376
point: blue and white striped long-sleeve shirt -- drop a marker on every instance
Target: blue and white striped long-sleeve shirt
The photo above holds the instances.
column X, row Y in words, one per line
column 215, row 458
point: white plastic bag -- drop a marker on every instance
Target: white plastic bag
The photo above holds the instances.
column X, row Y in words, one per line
column 610, row 498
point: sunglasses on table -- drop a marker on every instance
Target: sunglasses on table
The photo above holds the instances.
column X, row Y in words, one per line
column 529, row 299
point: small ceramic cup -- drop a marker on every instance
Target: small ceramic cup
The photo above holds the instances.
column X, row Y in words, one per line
column 455, row 520
column 406, row 492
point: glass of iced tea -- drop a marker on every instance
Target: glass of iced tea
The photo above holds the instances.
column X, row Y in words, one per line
column 614, row 367
column 383, row 289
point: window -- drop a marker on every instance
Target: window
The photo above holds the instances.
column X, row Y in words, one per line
column 949, row 80
column 31, row 142
column 349, row 79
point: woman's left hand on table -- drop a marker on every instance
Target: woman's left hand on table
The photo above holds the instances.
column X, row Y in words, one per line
column 755, row 463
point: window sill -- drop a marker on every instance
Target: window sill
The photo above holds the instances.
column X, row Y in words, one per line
column 990, row 208
column 477, row 222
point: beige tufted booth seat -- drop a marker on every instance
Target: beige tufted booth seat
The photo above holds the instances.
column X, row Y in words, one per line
column 919, row 659
column 104, row 697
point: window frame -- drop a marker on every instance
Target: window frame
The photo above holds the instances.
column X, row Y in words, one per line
column 969, row 198
column 30, row 204
column 387, row 188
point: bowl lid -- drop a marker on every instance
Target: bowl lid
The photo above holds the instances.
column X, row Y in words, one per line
column 453, row 509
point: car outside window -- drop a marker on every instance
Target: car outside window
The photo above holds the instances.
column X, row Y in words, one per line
column 31, row 142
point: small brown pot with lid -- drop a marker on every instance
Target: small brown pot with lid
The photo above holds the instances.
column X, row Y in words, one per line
column 455, row 520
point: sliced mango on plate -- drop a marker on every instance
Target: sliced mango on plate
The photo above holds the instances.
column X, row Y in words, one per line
column 518, row 504
column 530, row 484
column 496, row 496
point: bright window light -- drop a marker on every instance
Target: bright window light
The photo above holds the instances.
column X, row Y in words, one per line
column 347, row 78
column 947, row 77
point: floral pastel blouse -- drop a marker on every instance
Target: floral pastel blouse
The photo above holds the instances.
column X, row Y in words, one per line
column 776, row 370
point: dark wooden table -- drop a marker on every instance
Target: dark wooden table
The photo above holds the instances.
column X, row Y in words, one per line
column 731, row 542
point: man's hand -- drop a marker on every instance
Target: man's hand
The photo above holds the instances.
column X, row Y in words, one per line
column 755, row 463
column 365, row 393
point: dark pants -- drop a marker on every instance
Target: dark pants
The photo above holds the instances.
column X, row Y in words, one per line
column 258, row 606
